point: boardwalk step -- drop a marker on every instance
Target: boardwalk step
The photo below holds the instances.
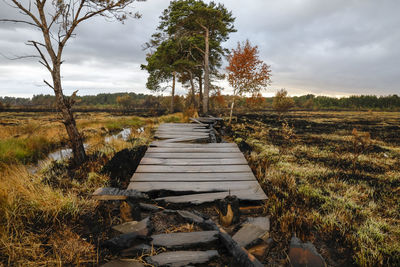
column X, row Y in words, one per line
column 193, row 150
column 194, row 155
column 184, row 240
column 191, row 177
column 192, row 162
column 188, row 145
column 193, row 169
column 250, row 186
column 182, row 258
column 252, row 229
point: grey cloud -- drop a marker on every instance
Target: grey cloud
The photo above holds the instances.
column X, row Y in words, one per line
column 336, row 47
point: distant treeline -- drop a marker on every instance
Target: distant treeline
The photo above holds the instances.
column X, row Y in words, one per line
column 133, row 101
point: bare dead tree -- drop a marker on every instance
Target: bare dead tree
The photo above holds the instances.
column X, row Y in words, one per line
column 57, row 21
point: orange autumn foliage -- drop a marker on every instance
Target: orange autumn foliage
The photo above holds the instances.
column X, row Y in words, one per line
column 246, row 72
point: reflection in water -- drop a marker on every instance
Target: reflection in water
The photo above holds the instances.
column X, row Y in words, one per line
column 66, row 153
column 124, row 135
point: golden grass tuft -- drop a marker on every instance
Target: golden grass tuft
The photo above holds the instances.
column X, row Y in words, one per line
column 30, row 210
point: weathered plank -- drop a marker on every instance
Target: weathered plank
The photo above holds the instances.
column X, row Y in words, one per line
column 183, row 240
column 180, row 124
column 179, row 134
column 189, row 129
column 196, row 199
column 182, row 132
column 189, row 177
column 251, row 186
column 193, row 169
column 192, row 162
column 184, row 139
column 194, row 155
column 193, row 150
column 189, row 145
column 173, row 136
column 252, row 230
column 182, row 258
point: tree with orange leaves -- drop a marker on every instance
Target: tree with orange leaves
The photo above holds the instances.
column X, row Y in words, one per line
column 246, row 72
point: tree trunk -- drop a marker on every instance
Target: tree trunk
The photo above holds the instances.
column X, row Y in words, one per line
column 206, row 73
column 200, row 92
column 64, row 106
column 230, row 117
column 193, row 94
column 173, row 92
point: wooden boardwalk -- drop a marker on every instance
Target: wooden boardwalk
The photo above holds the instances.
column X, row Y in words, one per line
column 197, row 172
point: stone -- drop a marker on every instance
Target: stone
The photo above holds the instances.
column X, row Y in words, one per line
column 182, row 258
column 252, row 230
column 122, row 263
column 141, row 228
column 304, row 254
column 184, row 240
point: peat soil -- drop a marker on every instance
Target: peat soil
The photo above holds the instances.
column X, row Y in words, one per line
column 312, row 129
column 380, row 128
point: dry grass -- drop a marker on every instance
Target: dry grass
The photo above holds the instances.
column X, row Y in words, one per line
column 46, row 217
column 30, row 212
column 331, row 184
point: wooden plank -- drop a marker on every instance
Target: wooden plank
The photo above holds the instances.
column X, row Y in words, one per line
column 179, row 123
column 194, row 155
column 197, row 199
column 193, row 150
column 252, row 229
column 192, row 162
column 182, row 258
column 173, row 136
column 193, row 169
column 199, row 129
column 181, row 134
column 179, row 130
column 184, row 139
column 188, row 145
column 184, row 240
column 189, row 177
column 195, row 186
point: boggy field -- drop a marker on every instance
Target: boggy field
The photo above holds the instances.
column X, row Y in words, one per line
column 332, row 178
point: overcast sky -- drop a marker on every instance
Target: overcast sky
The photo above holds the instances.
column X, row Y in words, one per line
column 324, row 47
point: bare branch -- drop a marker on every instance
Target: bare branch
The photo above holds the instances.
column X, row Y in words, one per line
column 42, row 56
column 27, row 12
column 18, row 57
column 19, row 21
column 48, row 84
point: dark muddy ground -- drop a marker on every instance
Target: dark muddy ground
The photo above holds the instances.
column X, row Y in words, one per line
column 323, row 186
